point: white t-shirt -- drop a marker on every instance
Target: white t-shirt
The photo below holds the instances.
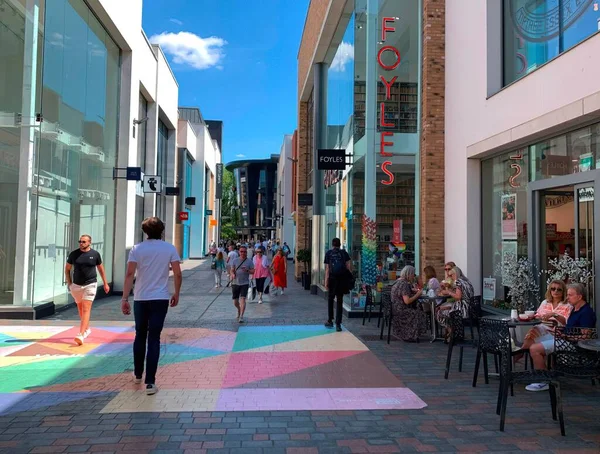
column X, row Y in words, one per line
column 231, row 255
column 152, row 276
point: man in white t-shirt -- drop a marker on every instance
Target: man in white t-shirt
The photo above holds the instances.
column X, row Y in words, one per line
column 149, row 262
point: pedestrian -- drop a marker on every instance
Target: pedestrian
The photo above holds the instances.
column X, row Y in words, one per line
column 261, row 272
column 275, row 248
column 279, row 268
column 149, row 263
column 240, row 269
column 232, row 254
column 219, row 268
column 338, row 264
column 83, row 286
column 286, row 249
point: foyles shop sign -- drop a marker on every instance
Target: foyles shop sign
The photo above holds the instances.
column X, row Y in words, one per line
column 331, row 159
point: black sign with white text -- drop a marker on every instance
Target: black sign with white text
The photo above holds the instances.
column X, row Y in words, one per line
column 329, row 159
column 219, row 185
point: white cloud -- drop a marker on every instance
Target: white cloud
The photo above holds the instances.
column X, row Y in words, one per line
column 176, row 21
column 189, row 49
column 343, row 56
column 240, row 155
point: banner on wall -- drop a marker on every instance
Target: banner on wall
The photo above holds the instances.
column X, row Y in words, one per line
column 219, row 185
column 509, row 216
column 489, row 289
column 509, row 252
column 397, row 231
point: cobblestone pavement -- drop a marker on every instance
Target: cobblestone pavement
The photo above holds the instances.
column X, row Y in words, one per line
column 56, row 399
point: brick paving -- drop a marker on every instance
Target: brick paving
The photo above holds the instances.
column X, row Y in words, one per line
column 457, row 418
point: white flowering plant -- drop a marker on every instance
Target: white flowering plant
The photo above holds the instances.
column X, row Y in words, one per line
column 570, row 270
column 521, row 276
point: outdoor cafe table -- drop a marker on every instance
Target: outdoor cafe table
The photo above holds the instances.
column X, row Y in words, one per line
column 590, row 344
column 433, row 302
column 513, row 324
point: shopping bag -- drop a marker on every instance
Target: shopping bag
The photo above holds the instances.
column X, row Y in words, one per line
column 267, row 285
column 253, row 293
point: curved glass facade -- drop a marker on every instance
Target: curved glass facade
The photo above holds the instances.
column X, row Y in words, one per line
column 63, row 184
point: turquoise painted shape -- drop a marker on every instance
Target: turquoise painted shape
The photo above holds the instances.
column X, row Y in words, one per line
column 250, row 337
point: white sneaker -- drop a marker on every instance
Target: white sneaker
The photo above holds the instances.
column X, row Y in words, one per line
column 260, row 301
column 136, row 380
column 79, row 339
column 241, row 320
column 151, row 389
column 537, row 387
column 87, row 333
column 282, row 292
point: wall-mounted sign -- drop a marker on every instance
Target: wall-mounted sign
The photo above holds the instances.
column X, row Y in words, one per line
column 330, row 159
column 191, row 201
column 585, row 194
column 183, row 215
column 134, row 173
column 152, row 184
column 172, row 190
column 489, row 289
column 208, row 212
column 219, row 184
column 213, row 222
column 305, row 199
column 395, row 53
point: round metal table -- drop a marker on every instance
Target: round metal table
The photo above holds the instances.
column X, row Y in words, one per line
column 590, row 344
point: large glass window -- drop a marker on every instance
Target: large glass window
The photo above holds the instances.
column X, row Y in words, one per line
column 537, row 31
column 75, row 193
column 161, row 167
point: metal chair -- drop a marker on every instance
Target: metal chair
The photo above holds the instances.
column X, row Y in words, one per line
column 387, row 312
column 498, row 331
column 370, row 303
column 457, row 336
column 571, row 360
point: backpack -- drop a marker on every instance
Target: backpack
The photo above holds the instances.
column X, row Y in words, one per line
column 337, row 264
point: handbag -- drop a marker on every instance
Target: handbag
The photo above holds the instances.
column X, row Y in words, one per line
column 213, row 265
column 253, row 285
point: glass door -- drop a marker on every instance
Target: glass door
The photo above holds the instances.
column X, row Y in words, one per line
column 584, row 239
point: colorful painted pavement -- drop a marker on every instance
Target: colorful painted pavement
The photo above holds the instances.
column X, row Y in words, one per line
column 256, row 368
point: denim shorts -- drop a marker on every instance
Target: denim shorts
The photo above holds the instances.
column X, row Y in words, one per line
column 547, row 340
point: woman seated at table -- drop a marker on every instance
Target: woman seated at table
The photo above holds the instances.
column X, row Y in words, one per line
column 461, row 290
column 582, row 316
column 553, row 311
column 409, row 322
column 431, row 280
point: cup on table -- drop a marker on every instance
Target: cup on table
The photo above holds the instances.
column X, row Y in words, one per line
column 514, row 314
column 530, row 314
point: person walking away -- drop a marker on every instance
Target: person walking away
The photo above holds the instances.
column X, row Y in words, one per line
column 83, row 286
column 213, row 250
column 286, row 249
column 219, row 268
column 149, row 262
column 279, row 271
column 240, row 269
column 230, row 256
column 337, row 261
column 261, row 272
column 275, row 248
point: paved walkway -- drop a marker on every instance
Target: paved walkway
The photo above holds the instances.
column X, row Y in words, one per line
column 279, row 383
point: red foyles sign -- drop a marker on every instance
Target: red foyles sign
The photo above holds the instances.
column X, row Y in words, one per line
column 184, row 215
column 385, row 28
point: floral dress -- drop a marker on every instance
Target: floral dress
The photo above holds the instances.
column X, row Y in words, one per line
column 462, row 305
column 409, row 322
column 546, row 308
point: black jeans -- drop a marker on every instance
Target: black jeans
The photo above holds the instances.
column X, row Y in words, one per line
column 336, row 290
column 149, row 321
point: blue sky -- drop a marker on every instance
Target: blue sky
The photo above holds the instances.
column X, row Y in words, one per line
column 237, row 61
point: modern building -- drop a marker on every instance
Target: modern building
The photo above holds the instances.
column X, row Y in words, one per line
column 82, row 94
column 371, row 83
column 522, row 154
column 199, row 156
column 256, row 187
column 286, row 229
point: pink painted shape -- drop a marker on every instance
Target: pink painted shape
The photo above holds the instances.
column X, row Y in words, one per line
column 249, row 367
column 98, row 336
column 318, row 399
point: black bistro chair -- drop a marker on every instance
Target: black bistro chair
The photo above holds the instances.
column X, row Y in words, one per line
column 387, row 312
column 571, row 360
column 370, row 303
column 497, row 331
column 457, row 332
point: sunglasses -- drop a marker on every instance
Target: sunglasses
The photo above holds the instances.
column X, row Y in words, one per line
column 447, row 269
column 556, row 289
column 82, row 242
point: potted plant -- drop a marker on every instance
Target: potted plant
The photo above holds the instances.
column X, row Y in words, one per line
column 521, row 278
column 570, row 270
column 304, row 256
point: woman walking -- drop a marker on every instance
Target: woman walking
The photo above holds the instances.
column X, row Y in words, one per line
column 261, row 272
column 280, row 271
column 219, row 268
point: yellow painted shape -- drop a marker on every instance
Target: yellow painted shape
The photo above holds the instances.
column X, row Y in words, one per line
column 339, row 342
column 163, row 401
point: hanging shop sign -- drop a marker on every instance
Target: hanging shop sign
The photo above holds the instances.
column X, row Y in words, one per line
column 183, row 215
column 219, row 185
column 305, row 199
column 585, row 194
column 152, row 184
column 387, row 26
column 331, row 159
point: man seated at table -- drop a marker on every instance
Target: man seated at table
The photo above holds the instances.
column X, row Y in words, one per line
column 582, row 316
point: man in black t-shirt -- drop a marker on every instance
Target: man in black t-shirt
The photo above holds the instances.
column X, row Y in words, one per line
column 84, row 262
column 337, row 261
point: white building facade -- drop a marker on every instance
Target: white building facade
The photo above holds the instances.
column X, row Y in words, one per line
column 198, row 160
column 285, row 227
column 522, row 135
column 82, row 92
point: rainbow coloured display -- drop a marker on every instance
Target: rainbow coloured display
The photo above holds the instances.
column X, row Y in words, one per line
column 369, row 251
